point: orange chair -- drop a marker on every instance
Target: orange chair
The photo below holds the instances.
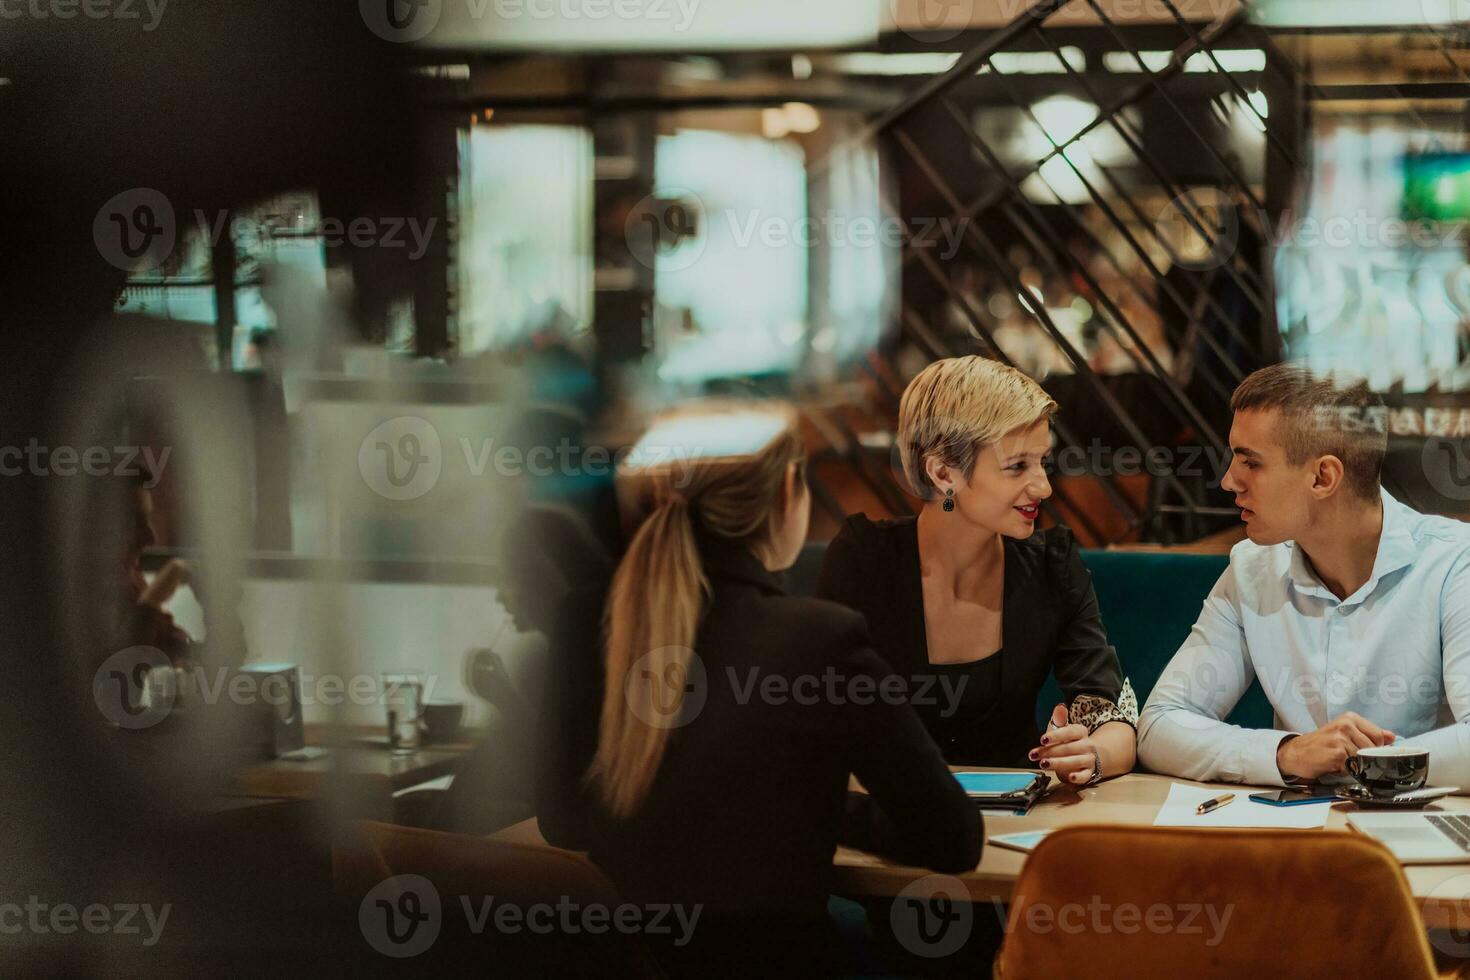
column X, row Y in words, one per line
column 356, row 868
column 459, row 864
column 465, row 871
column 1137, row 903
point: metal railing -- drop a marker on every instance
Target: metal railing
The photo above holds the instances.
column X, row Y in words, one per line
column 1227, row 308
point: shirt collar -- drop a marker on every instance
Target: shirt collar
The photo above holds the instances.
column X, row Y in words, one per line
column 1396, row 550
column 729, row 560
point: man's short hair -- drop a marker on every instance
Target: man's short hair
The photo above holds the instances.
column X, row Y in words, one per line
column 1320, row 417
column 957, row 406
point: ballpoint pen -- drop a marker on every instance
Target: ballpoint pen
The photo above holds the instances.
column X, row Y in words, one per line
column 1214, row 804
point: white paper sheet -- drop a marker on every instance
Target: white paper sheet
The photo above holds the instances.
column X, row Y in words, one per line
column 1178, row 810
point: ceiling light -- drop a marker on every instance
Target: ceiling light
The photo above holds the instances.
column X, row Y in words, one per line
column 915, row 63
column 1037, row 62
column 801, row 118
column 1230, row 59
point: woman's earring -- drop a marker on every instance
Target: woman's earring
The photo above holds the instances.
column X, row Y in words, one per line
column 949, row 500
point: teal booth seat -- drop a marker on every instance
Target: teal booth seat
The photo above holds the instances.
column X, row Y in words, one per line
column 1149, row 601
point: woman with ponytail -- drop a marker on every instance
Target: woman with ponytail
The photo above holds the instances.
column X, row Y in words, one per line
column 709, row 763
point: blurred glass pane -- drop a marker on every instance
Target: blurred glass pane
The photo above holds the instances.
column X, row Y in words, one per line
column 525, row 234
column 732, row 296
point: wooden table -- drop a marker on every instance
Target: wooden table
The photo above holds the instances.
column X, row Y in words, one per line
column 356, row 752
column 1443, row 890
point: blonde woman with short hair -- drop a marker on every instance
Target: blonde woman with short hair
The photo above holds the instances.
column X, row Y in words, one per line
column 726, row 721
column 973, row 602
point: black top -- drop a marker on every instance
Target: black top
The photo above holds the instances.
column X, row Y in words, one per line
column 746, row 809
column 1049, row 623
column 966, row 693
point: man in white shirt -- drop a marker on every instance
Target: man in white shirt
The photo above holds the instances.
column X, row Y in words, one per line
column 1352, row 609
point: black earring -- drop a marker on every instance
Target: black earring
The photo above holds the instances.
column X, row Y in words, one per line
column 949, row 500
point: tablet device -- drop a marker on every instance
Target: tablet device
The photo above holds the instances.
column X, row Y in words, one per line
column 1025, row 841
column 990, row 784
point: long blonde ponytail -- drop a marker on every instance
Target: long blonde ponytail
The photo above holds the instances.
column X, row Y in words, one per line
column 659, row 592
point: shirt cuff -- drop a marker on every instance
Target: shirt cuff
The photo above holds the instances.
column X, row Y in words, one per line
column 1094, row 711
column 1257, row 761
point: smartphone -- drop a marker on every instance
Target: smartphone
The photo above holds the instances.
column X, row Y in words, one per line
column 1293, row 797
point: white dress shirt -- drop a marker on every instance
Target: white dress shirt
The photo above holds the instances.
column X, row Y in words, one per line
column 1397, row 652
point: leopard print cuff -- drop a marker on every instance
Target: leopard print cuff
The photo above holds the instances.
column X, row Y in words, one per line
column 1094, row 711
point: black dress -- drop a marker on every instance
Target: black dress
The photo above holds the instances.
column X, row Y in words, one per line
column 751, row 796
column 1049, row 623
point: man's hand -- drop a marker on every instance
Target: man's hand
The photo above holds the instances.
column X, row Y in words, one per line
column 1327, row 749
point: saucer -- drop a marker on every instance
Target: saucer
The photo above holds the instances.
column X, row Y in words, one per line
column 1357, row 794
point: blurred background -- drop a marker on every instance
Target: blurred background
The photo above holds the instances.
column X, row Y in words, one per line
column 328, row 323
